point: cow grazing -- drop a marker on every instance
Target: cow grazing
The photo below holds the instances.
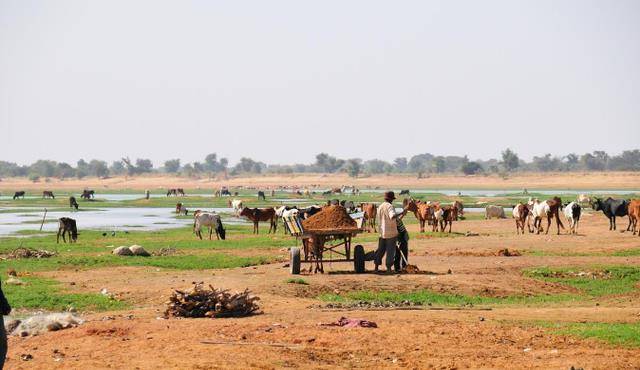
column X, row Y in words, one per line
column 210, row 220
column 48, row 194
column 634, row 215
column 73, row 203
column 521, row 215
column 260, row 214
column 572, row 213
column 612, row 208
column 261, row 195
column 492, row 211
column 18, row 194
column 67, row 225
column 237, row 206
column 404, row 192
column 181, row 209
column 87, row 194
column 370, row 210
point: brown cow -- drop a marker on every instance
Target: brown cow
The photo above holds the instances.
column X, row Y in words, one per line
column 521, row 215
column 450, row 214
column 634, row 215
column 48, row 194
column 180, row 208
column 423, row 211
column 261, row 214
column 370, row 210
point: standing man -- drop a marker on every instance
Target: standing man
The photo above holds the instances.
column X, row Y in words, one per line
column 5, row 309
column 386, row 218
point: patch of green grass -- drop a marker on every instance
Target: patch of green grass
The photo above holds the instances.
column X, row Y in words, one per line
column 297, row 281
column 618, row 334
column 627, row 253
column 178, row 262
column 425, row 297
column 40, row 293
column 617, row 280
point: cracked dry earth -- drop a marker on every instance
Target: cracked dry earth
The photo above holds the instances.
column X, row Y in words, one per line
column 287, row 334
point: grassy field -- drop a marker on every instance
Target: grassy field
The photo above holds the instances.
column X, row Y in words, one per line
column 608, row 281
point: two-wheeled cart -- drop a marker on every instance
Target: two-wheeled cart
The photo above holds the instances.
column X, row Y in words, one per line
column 317, row 243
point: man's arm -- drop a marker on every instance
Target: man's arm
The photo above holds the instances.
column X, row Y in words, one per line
column 398, row 215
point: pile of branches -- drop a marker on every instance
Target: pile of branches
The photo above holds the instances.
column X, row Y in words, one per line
column 211, row 302
column 29, row 253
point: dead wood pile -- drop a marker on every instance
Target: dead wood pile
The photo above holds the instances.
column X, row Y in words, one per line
column 29, row 253
column 211, row 302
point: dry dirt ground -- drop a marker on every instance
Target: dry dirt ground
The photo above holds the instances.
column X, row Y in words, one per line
column 287, row 334
column 579, row 180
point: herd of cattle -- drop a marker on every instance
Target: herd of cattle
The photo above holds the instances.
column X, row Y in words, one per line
column 435, row 214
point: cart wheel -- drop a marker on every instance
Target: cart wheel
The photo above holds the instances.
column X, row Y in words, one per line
column 294, row 261
column 358, row 259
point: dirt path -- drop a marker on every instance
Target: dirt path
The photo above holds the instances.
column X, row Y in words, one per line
column 503, row 337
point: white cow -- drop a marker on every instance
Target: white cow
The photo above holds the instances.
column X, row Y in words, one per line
column 237, row 206
column 491, row 211
column 572, row 213
column 539, row 211
column 211, row 220
column 583, row 198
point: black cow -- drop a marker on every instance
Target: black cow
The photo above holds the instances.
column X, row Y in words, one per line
column 88, row 194
column 73, row 203
column 348, row 205
column 309, row 211
column 67, row 225
column 404, row 192
column 612, row 208
column 261, row 195
column 18, row 194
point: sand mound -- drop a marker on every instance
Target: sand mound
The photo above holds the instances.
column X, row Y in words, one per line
column 330, row 218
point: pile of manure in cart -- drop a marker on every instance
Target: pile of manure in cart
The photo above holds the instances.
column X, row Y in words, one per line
column 330, row 218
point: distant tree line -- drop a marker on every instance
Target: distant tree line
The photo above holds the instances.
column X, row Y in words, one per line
column 420, row 164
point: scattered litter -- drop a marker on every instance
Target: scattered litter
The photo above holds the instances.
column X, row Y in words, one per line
column 26, row 357
column 526, row 350
column 12, row 280
column 28, row 253
column 351, row 323
column 212, row 302
column 45, row 322
column 508, row 253
column 170, row 251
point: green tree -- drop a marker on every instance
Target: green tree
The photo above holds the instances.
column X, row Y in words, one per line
column 172, row 165
column 438, row 165
column 510, row 160
column 354, row 167
column 471, row 168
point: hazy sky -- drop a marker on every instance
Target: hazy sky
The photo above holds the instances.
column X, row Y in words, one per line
column 281, row 81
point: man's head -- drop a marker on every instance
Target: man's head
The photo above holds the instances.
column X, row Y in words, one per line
column 389, row 196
